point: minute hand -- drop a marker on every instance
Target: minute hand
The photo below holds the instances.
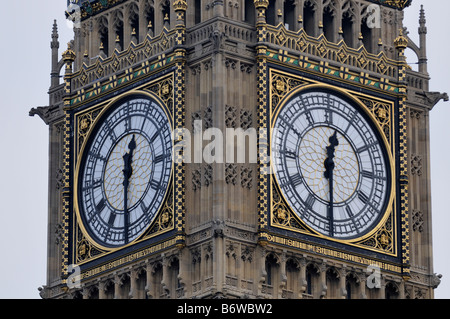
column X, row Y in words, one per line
column 127, row 172
column 329, row 169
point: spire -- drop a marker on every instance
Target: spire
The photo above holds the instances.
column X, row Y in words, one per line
column 422, row 21
column 54, row 45
column 423, row 41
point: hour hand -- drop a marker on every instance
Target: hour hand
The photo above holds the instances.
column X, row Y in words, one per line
column 128, row 159
column 329, row 161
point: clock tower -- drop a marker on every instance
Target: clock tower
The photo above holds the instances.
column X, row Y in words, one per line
column 239, row 149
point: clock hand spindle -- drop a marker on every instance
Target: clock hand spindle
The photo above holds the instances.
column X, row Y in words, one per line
column 127, row 172
column 329, row 169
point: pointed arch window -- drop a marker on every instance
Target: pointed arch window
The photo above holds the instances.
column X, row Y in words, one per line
column 368, row 36
column 103, row 33
column 270, row 12
column 309, row 23
column 329, row 23
column 198, row 11
column 289, row 14
column 250, row 11
column 134, row 20
column 166, row 13
column 118, row 30
column 348, row 29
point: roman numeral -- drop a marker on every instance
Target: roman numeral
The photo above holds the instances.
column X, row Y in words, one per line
column 310, row 118
column 154, row 137
column 110, row 131
column 96, row 184
column 112, row 219
column 328, row 116
column 99, row 207
column 160, row 158
column 363, row 197
column 366, row 147
column 310, row 201
column 143, row 207
column 296, row 179
column 97, row 156
column 290, row 154
column 367, row 174
column 349, row 211
column 155, row 185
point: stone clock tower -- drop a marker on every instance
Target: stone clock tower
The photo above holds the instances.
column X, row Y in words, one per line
column 323, row 187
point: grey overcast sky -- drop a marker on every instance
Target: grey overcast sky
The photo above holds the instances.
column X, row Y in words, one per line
column 25, row 29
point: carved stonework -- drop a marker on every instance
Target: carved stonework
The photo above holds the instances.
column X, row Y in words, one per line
column 417, row 220
column 247, row 177
column 230, row 63
column 208, row 178
column 415, row 114
column 207, row 117
column 416, row 164
column 246, row 119
column 59, row 178
column 247, row 254
column 230, row 116
column 59, row 233
column 196, row 180
column 231, row 251
column 196, row 120
column 231, row 174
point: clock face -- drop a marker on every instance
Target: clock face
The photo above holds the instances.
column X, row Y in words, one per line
column 330, row 164
column 125, row 171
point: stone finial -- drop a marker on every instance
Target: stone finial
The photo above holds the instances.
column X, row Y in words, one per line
column 401, row 42
column 263, row 4
column 422, row 21
column 55, row 43
column 69, row 55
column 180, row 5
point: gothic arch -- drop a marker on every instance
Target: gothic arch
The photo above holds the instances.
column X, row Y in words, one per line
column 133, row 18
column 332, row 282
column 312, row 273
column 351, row 283
column 271, row 12
column 392, row 290
column 102, row 27
column 309, row 17
column 331, row 12
column 350, row 18
column 289, row 17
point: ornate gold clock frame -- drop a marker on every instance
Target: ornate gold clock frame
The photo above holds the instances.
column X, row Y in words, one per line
column 280, row 74
column 161, row 79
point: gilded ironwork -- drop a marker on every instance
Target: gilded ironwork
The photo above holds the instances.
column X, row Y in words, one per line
column 383, row 239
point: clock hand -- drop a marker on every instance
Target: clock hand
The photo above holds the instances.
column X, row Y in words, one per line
column 127, row 172
column 329, row 168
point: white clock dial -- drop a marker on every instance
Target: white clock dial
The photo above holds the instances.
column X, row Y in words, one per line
column 352, row 201
column 125, row 171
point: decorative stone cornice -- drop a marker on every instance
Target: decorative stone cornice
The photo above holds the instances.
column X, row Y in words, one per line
column 92, row 7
